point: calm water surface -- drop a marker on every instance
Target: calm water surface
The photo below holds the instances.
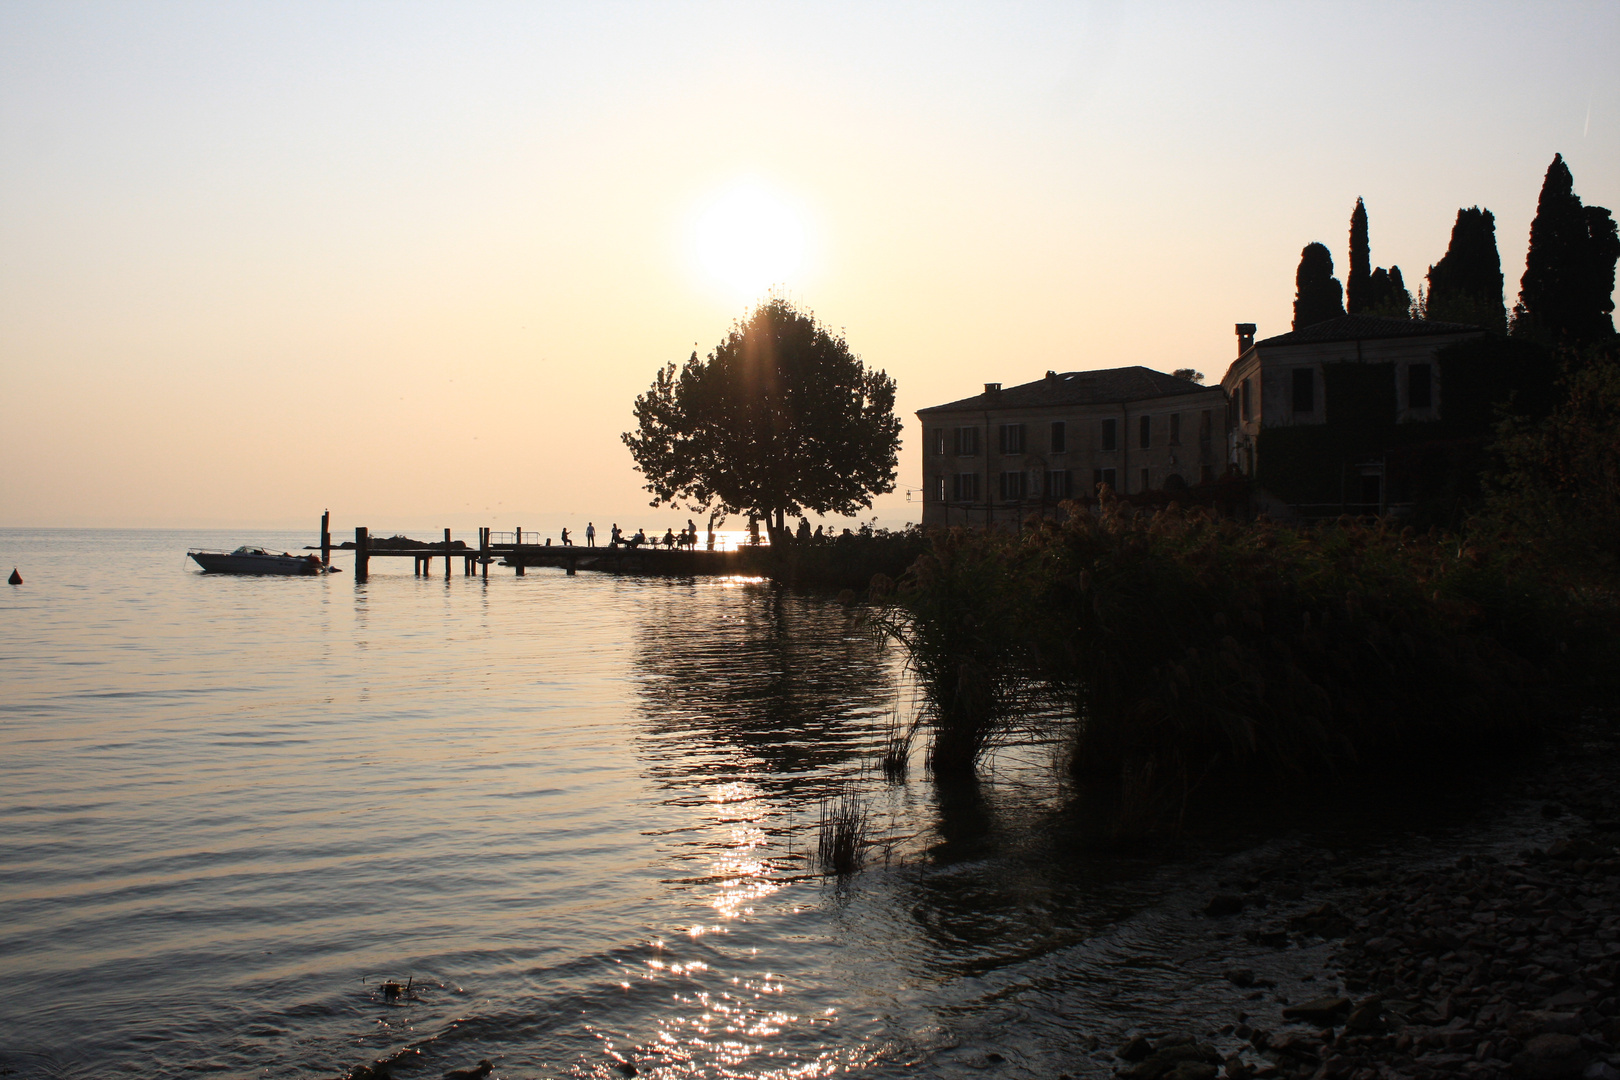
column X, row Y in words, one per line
column 574, row 811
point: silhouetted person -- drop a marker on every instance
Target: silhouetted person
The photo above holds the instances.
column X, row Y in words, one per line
column 669, row 538
column 618, row 537
column 590, row 534
column 566, row 542
column 803, row 531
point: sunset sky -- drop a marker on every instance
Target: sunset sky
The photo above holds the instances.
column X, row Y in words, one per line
column 413, row 262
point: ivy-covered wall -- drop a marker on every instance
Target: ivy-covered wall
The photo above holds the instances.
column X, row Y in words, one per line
column 1434, row 465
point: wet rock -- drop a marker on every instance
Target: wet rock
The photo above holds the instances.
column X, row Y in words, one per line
column 1578, row 848
column 1323, row 920
column 1240, row 977
column 1136, row 1048
column 1223, row 904
column 1180, row 1061
column 482, row 1070
column 1550, row 1057
column 1367, row 1018
column 1601, row 1070
column 1323, row 1012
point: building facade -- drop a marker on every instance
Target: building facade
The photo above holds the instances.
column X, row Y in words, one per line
column 1359, row 374
column 999, row 456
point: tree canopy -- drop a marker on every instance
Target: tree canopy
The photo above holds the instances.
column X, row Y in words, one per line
column 1465, row 286
column 1318, row 295
column 780, row 418
column 1567, row 290
column 1357, row 284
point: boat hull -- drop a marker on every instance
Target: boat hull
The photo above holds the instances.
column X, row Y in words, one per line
column 278, row 565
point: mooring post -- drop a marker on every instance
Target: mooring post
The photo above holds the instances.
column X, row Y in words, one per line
column 517, row 551
column 362, row 553
column 326, row 538
column 571, row 565
column 447, row 554
column 483, row 549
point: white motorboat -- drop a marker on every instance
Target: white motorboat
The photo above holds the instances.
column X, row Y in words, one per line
column 255, row 560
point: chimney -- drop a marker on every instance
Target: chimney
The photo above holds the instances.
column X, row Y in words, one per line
column 992, row 388
column 1245, row 336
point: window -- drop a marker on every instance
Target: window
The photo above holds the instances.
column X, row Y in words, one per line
column 939, row 491
column 1243, row 397
column 1012, row 486
column 967, row 441
column 1110, row 434
column 939, row 441
column 1057, row 483
column 1304, row 390
column 1012, row 439
column 1102, row 476
column 1206, row 423
column 967, row 487
column 1147, row 481
column 1060, row 436
column 1419, row 386
column 1144, row 432
column 1175, row 429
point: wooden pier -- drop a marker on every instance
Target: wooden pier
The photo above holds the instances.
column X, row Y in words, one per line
column 510, row 549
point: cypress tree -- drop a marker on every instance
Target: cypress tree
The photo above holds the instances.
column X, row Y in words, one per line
column 1387, row 295
column 1566, row 291
column 1466, row 284
column 1318, row 294
column 1357, row 296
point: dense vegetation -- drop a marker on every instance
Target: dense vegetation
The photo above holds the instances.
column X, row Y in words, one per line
column 1184, row 649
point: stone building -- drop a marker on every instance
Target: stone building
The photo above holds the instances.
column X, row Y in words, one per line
column 998, row 456
column 1364, row 385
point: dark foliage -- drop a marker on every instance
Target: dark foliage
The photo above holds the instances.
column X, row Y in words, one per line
column 1191, row 648
column 1318, row 295
column 1387, row 295
column 1559, row 480
column 1358, row 283
column 847, row 561
column 780, row 418
column 1465, row 286
column 1566, row 294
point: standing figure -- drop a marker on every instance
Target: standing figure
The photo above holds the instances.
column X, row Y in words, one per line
column 590, row 534
column 566, row 542
column 617, row 536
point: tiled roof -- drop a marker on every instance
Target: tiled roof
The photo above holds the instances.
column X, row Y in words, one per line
column 1108, row 387
column 1365, row 328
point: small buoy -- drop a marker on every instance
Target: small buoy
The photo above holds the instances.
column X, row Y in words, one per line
column 15, row 578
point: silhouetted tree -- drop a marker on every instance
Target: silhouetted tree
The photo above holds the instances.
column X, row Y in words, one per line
column 779, row 419
column 1465, row 286
column 1387, row 295
column 1357, row 292
column 1318, row 294
column 1566, row 293
column 1190, row 374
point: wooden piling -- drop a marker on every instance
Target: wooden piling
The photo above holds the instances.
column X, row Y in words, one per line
column 517, row 550
column 326, row 538
column 362, row 553
column 483, row 550
column 447, row 554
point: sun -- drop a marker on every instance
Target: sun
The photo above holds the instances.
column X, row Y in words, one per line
column 749, row 239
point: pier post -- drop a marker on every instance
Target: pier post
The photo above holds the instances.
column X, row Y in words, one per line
column 517, row 551
column 447, row 554
column 326, row 538
column 362, row 553
column 483, row 550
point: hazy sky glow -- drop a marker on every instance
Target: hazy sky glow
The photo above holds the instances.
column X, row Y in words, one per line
column 413, row 262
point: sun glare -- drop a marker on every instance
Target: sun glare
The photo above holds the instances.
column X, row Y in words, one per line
column 748, row 239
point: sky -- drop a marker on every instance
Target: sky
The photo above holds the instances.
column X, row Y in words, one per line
column 413, row 262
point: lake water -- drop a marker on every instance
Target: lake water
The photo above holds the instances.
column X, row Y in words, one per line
column 573, row 812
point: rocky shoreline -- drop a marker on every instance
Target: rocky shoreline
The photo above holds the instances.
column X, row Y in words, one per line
column 1480, row 965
